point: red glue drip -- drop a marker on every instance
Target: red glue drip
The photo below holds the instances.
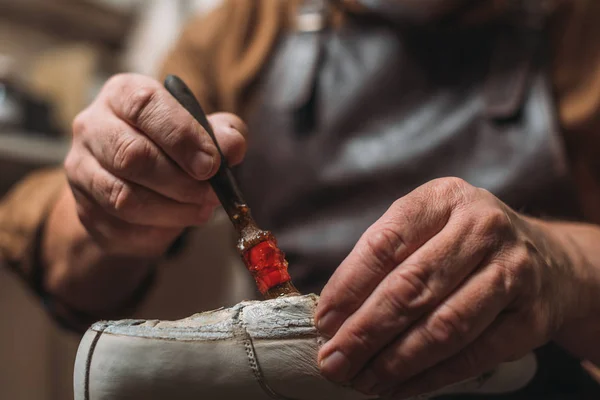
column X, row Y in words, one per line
column 267, row 264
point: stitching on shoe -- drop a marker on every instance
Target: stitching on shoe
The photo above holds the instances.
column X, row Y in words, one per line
column 253, row 361
column 88, row 362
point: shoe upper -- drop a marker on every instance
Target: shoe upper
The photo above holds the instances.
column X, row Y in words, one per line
column 254, row 350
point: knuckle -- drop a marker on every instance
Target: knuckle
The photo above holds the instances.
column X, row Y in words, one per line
column 139, row 101
column 406, row 292
column 485, row 193
column 117, row 81
column 457, row 192
column 71, row 164
column 124, row 82
column 439, row 332
column 504, row 282
column 120, row 198
column 447, row 327
column 508, row 282
column 80, row 123
column 498, row 218
column 132, row 155
column 176, row 130
column 398, row 204
column 453, row 183
column 455, row 188
column 493, row 222
column 117, row 194
column 399, row 302
column 403, row 212
column 383, row 247
column 520, row 261
column 521, row 275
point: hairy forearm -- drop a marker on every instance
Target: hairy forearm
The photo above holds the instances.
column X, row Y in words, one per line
column 78, row 272
column 580, row 334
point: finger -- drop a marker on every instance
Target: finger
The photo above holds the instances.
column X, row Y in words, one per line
column 509, row 338
column 119, row 237
column 126, row 200
column 450, row 328
column 406, row 226
column 145, row 104
column 413, row 289
column 130, row 155
column 232, row 134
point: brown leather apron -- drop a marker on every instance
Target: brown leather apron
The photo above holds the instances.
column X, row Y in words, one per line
column 348, row 120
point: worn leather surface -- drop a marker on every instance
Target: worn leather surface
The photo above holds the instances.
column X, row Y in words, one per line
column 254, row 350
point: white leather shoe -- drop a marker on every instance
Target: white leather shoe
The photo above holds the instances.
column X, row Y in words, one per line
column 253, row 351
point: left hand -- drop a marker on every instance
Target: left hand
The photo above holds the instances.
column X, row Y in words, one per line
column 449, row 283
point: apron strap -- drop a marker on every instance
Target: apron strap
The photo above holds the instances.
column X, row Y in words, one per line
column 517, row 54
column 298, row 67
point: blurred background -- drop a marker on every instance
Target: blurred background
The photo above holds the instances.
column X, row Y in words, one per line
column 54, row 57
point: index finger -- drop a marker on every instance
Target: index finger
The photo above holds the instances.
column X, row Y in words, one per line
column 145, row 104
column 406, row 226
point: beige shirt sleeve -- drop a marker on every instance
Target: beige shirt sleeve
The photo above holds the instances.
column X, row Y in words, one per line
column 576, row 75
column 22, row 213
column 221, row 54
column 191, row 56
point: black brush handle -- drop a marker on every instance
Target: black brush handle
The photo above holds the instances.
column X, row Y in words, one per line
column 223, row 182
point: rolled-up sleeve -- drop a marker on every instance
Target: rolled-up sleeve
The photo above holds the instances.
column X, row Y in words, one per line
column 23, row 212
column 576, row 76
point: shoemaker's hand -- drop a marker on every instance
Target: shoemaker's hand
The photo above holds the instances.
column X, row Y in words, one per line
column 139, row 165
column 446, row 285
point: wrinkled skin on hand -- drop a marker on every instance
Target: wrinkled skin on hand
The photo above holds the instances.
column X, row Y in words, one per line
column 449, row 283
column 139, row 165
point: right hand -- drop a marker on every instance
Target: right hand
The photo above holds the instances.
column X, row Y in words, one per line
column 139, row 164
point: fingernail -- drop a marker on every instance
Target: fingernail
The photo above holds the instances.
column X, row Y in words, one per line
column 329, row 323
column 202, row 164
column 335, row 367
